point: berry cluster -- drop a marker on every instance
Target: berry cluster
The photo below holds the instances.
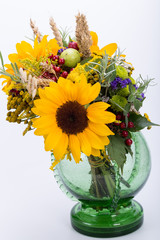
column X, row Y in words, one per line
column 120, row 128
column 123, row 128
column 56, row 68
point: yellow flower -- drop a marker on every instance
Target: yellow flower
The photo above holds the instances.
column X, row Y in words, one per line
column 67, row 123
column 76, row 77
column 26, row 51
column 147, row 117
column 109, row 49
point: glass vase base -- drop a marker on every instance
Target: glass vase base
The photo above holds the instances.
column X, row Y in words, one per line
column 97, row 222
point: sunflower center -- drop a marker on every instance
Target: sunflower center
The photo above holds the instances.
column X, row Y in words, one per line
column 71, row 117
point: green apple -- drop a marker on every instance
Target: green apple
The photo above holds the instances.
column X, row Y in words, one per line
column 71, row 57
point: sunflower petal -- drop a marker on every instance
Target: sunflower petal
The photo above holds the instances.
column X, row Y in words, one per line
column 109, row 49
column 100, row 129
column 105, row 140
column 94, row 139
column 52, row 139
column 61, row 147
column 55, row 94
column 84, row 143
column 95, row 152
column 74, row 146
column 45, row 106
column 94, row 38
column 44, row 121
column 88, row 93
column 42, row 131
column 98, row 115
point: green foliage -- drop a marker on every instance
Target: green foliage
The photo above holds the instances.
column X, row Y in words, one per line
column 140, row 122
column 65, row 33
column 14, row 77
column 135, row 94
column 85, row 61
column 2, row 62
column 118, row 143
column 95, row 66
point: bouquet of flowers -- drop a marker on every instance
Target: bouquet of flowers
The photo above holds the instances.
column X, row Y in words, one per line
column 80, row 98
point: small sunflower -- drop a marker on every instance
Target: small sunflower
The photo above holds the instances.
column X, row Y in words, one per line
column 27, row 51
column 66, row 122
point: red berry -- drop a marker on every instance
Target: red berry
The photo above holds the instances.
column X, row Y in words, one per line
column 51, row 56
column 64, row 74
column 73, row 45
column 53, row 66
column 130, row 124
column 71, row 69
column 128, row 115
column 54, row 79
column 56, row 57
column 124, row 133
column 14, row 91
column 118, row 117
column 116, row 123
column 128, row 142
column 57, row 69
column 61, row 61
column 123, row 125
column 46, row 74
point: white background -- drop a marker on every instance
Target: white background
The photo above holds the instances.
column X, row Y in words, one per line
column 31, row 204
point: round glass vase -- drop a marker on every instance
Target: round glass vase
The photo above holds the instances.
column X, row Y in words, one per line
column 105, row 195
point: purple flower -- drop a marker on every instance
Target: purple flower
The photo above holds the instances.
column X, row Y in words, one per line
column 118, row 82
column 61, row 50
column 142, row 94
column 140, row 99
column 135, row 86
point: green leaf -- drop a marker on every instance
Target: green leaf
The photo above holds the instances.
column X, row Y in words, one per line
column 127, row 107
column 140, row 122
column 2, row 62
column 16, row 67
column 131, row 98
column 70, row 39
column 141, row 89
column 85, row 60
column 137, row 104
column 117, row 150
column 131, row 88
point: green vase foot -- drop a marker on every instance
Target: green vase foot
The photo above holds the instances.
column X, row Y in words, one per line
column 105, row 223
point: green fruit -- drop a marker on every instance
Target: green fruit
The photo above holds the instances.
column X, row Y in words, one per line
column 71, row 57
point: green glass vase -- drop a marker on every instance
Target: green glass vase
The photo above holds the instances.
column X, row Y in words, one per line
column 105, row 195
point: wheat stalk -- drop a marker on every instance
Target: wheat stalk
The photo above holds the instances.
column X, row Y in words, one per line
column 83, row 36
column 56, row 32
column 36, row 31
column 33, row 83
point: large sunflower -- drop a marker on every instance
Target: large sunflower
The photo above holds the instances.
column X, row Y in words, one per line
column 68, row 122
